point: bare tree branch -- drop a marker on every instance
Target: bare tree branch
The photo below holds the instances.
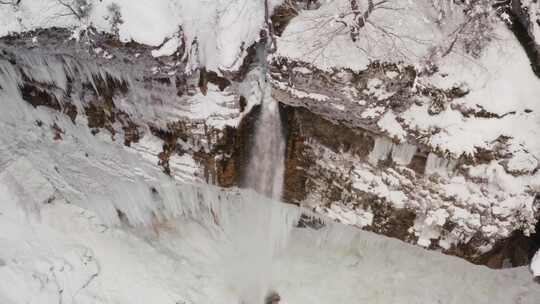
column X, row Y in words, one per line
column 69, row 6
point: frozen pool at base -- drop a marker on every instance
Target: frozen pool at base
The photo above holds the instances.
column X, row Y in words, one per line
column 64, row 252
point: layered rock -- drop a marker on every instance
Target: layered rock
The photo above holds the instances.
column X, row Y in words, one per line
column 442, row 151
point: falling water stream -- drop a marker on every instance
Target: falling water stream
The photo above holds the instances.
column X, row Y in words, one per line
column 267, row 162
column 264, row 175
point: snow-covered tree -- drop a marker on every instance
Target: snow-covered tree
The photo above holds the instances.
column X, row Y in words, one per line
column 476, row 27
column 79, row 9
column 114, row 17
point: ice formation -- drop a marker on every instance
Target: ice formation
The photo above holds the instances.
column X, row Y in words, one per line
column 535, row 265
column 403, row 153
column 71, row 251
column 381, row 150
column 439, row 165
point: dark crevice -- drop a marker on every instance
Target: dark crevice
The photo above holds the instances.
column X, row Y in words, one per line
column 520, row 30
column 515, row 251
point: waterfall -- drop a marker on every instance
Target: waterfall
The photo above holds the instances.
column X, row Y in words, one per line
column 263, row 232
column 267, row 162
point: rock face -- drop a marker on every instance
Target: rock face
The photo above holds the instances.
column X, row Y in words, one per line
column 350, row 153
column 329, row 169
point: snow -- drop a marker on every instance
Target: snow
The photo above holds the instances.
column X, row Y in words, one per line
column 302, row 70
column 376, row 88
column 214, row 37
column 522, row 161
column 216, row 108
column 301, row 94
column 364, row 180
column 391, row 126
column 428, row 227
column 142, row 23
column 497, row 176
column 185, row 168
column 374, row 112
column 221, row 39
column 350, row 216
column 168, row 48
column 319, row 37
column 500, row 82
column 149, row 147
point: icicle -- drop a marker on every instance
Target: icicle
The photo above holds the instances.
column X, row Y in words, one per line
column 10, row 79
column 403, row 153
column 535, row 265
column 381, row 150
column 56, row 69
column 438, row 165
column 43, row 69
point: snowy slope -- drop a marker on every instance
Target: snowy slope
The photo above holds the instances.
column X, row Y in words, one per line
column 69, row 255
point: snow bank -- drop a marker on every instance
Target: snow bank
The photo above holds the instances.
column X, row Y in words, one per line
column 501, row 82
column 391, row 126
column 217, row 33
column 321, row 37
